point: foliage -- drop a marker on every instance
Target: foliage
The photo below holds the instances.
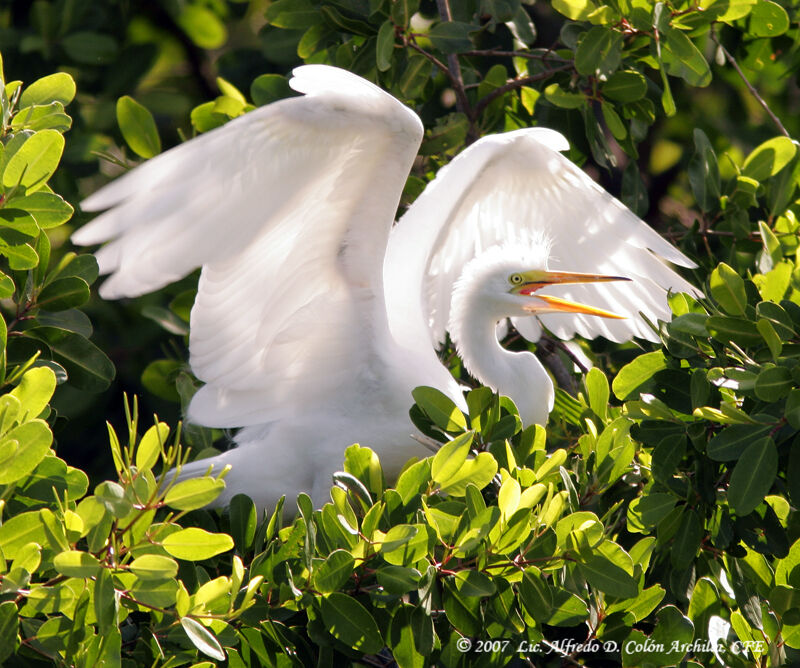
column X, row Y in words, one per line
column 653, row 523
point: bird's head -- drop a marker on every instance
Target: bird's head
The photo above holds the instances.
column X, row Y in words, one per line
column 507, row 280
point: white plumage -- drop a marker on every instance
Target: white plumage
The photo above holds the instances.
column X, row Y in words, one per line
column 313, row 322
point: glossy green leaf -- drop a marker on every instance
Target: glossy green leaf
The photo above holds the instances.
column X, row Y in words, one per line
column 753, row 476
column 768, row 19
column 450, row 458
column 398, row 580
column 599, row 53
column 76, row 564
column 564, row 99
column 244, row 519
column 202, row 26
column 30, row 442
column 384, row 46
column 625, row 86
column 34, row 163
column 637, row 372
column 683, row 59
column 48, row 209
column 773, row 383
column 334, row 572
column 58, row 87
column 439, row 408
column 577, row 10
column 194, row 544
column 64, row 294
column 452, row 36
column 88, row 367
column 138, row 127
column 202, row 638
column 350, row 622
column 9, row 624
column 151, row 445
column 727, row 287
column 154, row 567
column 768, row 159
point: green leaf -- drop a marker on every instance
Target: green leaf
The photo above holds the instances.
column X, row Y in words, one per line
column 462, row 611
column 29, row 443
column 48, row 209
column 753, row 476
column 439, row 408
column 414, row 77
column 625, row 86
column 194, row 544
column 76, row 564
column 36, row 160
column 112, row 496
column 151, row 445
column 792, row 409
column 269, row 88
column 64, row 294
column 683, row 59
column 88, row 367
column 398, row 580
column 732, row 441
column 599, row 52
column 9, row 625
column 202, row 26
column 637, row 372
column 154, row 567
column 767, row 159
column 384, row 46
column 451, row 456
column 768, row 19
column 34, row 392
column 704, row 173
column 773, row 383
column 105, row 602
column 474, row 583
column 401, row 638
column 452, row 36
column 609, row 568
column 351, row 623
column 687, row 539
column 138, row 127
column 90, row 48
column 203, row 638
column 405, row 544
column 42, row 117
column 194, row 493
column 59, row 87
column 334, row 572
column 727, row 287
column 295, row 14
column 243, row 521
column 20, row 257
column 598, row 392
column 564, row 99
column 577, row 10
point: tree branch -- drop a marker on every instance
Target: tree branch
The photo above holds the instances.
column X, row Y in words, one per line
column 516, row 83
column 750, row 86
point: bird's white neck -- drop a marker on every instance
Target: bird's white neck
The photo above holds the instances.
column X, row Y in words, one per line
column 519, row 376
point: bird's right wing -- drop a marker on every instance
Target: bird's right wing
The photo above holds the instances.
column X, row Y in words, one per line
column 288, row 210
column 514, row 189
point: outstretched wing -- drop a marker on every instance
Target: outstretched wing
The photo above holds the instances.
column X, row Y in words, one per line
column 514, row 188
column 287, row 210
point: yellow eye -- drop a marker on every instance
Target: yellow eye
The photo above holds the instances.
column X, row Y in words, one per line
column 515, row 279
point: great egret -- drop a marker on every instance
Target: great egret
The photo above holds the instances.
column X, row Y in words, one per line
column 312, row 323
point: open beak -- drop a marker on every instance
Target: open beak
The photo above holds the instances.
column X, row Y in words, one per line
column 537, row 279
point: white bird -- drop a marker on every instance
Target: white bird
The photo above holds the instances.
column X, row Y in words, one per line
column 313, row 323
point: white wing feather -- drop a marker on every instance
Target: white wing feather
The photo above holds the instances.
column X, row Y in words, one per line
column 512, row 189
column 289, row 221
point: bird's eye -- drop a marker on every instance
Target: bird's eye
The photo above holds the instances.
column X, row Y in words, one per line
column 515, row 279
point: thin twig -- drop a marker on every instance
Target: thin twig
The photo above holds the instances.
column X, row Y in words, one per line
column 454, row 66
column 517, row 83
column 750, row 86
column 516, row 54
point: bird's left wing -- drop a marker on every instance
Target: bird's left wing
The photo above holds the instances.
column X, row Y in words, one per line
column 514, row 189
column 288, row 210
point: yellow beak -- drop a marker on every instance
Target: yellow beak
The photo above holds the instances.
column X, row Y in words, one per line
column 537, row 279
